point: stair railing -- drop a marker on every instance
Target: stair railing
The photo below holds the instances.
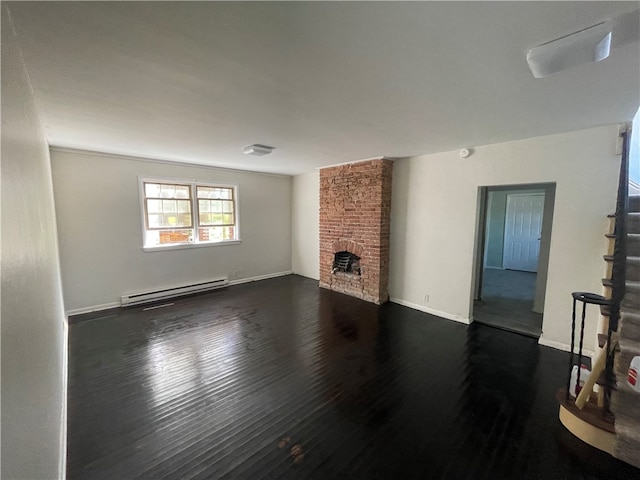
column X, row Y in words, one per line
column 618, row 271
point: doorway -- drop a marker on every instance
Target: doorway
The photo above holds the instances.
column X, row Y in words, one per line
column 513, row 239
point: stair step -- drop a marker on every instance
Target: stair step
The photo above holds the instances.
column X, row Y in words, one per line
column 633, row 244
column 591, row 413
column 627, row 350
column 602, row 340
column 633, row 268
column 628, row 441
column 631, row 300
column 634, row 203
column 630, row 259
column 629, row 326
column 627, row 401
column 633, row 285
column 633, row 222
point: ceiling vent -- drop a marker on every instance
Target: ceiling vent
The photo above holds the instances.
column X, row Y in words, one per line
column 257, row 150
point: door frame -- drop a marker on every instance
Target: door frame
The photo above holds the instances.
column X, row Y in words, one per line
column 480, row 240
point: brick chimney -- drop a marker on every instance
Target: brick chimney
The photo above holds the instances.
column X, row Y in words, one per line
column 355, row 208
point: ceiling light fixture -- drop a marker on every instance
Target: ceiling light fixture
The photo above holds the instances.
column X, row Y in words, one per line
column 591, row 44
column 257, row 150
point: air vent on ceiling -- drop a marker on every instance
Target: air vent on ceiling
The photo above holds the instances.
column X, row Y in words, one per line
column 257, row 150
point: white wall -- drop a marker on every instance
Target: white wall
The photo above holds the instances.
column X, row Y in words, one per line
column 434, row 210
column 99, row 224
column 305, row 230
column 33, row 323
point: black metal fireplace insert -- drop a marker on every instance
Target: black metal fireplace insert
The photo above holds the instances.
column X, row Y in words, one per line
column 346, row 262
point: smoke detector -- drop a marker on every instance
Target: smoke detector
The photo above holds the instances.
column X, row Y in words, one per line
column 465, row 153
column 257, row 150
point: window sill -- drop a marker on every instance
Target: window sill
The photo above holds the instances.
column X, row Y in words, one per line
column 186, row 246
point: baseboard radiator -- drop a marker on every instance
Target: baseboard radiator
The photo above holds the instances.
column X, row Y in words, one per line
column 165, row 293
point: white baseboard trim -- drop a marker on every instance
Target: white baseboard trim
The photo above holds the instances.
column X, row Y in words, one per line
column 62, row 467
column 94, row 308
column 106, row 306
column 260, row 277
column 293, row 272
column 432, row 311
column 563, row 346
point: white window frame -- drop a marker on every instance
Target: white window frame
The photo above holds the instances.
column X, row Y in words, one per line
column 194, row 212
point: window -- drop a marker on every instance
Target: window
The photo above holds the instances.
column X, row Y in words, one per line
column 188, row 213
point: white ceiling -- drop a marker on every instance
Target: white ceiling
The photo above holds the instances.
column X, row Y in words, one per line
column 323, row 82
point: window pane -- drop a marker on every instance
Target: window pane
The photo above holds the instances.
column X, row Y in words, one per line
column 169, row 206
column 182, row 191
column 204, row 205
column 204, row 192
column 216, row 206
column 173, row 220
column 184, row 206
column 155, row 221
column 170, row 220
column 168, row 191
column 209, row 219
column 227, row 207
column 154, row 206
column 151, row 190
column 227, row 218
column 218, row 193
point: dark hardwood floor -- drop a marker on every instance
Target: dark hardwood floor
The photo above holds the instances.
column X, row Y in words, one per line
column 209, row 387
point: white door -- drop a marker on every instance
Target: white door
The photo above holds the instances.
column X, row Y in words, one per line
column 522, row 229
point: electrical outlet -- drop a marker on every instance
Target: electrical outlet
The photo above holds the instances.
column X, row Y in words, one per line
column 426, row 298
column 235, row 274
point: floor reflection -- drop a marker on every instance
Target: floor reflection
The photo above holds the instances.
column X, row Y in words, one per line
column 346, row 359
column 212, row 387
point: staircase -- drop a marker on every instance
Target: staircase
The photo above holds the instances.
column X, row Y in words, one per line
column 606, row 411
column 625, row 402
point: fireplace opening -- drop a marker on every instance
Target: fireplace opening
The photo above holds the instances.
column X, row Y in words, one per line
column 346, row 262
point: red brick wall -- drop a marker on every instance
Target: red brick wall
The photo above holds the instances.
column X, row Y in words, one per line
column 355, row 208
